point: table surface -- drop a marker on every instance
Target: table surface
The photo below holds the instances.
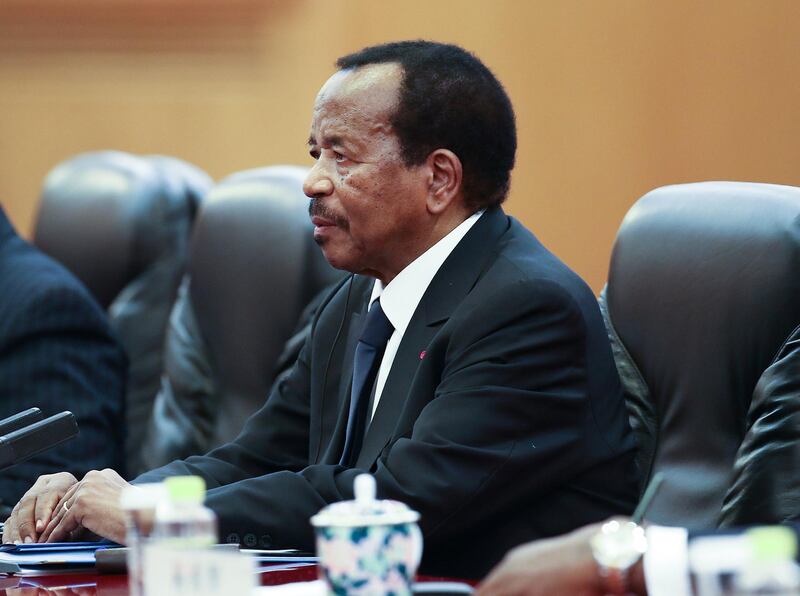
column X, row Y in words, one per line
column 90, row 583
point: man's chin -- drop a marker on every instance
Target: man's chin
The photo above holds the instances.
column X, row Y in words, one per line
column 334, row 259
column 340, row 255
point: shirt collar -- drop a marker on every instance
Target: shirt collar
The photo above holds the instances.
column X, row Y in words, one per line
column 399, row 299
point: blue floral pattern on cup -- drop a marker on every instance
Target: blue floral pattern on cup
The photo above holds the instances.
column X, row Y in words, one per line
column 373, row 560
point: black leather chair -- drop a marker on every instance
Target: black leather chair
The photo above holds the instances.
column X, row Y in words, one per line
column 253, row 267
column 703, row 291
column 766, row 472
column 121, row 224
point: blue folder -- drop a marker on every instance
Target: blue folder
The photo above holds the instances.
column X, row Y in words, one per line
column 16, row 558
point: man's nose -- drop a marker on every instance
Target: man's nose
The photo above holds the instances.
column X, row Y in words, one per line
column 317, row 183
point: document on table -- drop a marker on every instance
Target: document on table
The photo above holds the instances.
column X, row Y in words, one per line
column 318, row 588
column 17, row 558
column 280, row 556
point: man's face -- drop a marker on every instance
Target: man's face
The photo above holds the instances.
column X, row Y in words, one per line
column 367, row 208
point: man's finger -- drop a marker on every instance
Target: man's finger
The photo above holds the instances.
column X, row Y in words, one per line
column 43, row 510
column 63, row 522
column 487, row 586
column 67, row 524
column 27, row 533
column 25, row 524
column 10, row 526
column 60, row 512
column 68, row 496
column 10, row 533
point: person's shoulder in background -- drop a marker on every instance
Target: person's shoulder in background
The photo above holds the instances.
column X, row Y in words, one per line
column 57, row 352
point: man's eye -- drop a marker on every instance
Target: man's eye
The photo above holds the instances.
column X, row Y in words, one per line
column 314, row 153
column 338, row 156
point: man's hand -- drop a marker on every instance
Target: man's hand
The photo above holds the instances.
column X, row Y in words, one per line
column 562, row 565
column 65, row 591
column 93, row 505
column 32, row 514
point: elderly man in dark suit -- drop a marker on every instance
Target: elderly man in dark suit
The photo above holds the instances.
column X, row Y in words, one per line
column 56, row 353
column 462, row 364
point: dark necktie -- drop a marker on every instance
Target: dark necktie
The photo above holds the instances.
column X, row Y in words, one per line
column 366, row 362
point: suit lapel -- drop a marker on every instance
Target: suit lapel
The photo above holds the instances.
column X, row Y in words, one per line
column 341, row 406
column 456, row 277
column 393, row 398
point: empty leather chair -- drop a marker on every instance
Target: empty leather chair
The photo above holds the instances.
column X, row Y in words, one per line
column 253, row 267
column 121, row 224
column 702, row 294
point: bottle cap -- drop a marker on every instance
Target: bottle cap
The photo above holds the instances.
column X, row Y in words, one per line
column 772, row 543
column 186, row 489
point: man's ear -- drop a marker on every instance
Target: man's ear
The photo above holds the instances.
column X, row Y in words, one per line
column 445, row 180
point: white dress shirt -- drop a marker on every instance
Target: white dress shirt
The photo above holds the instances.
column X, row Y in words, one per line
column 399, row 299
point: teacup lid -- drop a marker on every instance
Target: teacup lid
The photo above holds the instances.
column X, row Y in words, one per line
column 365, row 509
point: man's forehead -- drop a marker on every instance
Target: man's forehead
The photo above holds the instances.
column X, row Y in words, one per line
column 384, row 77
column 370, row 90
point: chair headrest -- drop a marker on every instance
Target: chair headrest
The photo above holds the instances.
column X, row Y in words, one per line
column 108, row 215
column 253, row 265
column 703, row 289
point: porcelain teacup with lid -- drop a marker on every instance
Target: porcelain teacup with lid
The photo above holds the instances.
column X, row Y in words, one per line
column 367, row 546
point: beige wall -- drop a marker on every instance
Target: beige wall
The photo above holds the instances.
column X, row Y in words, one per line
column 612, row 97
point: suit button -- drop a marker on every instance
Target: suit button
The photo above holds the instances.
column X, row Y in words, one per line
column 250, row 540
column 232, row 538
column 265, row 541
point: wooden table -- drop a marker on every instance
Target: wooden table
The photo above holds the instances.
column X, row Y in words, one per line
column 90, row 583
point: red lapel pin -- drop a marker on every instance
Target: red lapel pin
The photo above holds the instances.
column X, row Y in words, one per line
column 422, row 354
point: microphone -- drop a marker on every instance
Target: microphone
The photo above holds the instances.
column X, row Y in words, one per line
column 17, row 421
column 22, row 439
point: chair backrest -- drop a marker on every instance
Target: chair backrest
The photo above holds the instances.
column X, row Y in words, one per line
column 121, row 224
column 253, row 267
column 702, row 292
column 109, row 215
column 766, row 474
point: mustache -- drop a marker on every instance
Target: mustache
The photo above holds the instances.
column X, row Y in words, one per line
column 318, row 209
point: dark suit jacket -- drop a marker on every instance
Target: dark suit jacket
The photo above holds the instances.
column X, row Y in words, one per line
column 56, row 353
column 501, row 420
